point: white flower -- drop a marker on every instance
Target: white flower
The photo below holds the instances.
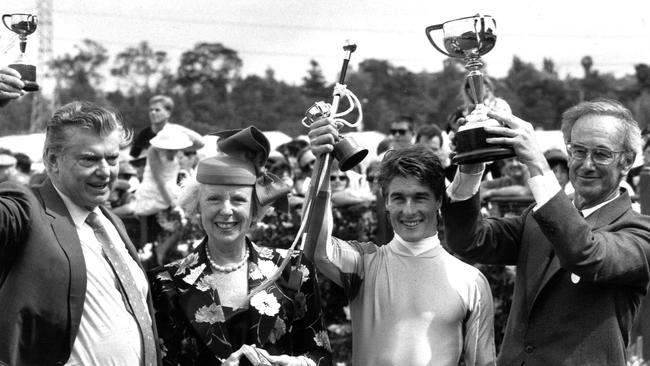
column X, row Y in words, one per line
column 185, row 263
column 267, row 268
column 194, row 274
column 208, row 282
column 266, row 253
column 265, row 303
column 164, row 276
column 305, row 272
column 322, row 340
column 254, row 272
column 211, row 314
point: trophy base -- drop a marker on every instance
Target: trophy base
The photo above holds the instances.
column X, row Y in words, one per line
column 471, row 147
column 27, row 75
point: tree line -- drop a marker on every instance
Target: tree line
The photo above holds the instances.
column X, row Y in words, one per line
column 211, row 94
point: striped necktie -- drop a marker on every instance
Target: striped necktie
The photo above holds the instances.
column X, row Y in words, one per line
column 133, row 300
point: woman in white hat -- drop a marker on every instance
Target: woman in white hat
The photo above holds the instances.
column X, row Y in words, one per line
column 228, row 302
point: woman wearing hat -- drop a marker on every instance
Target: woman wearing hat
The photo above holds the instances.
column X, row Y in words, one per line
column 230, row 302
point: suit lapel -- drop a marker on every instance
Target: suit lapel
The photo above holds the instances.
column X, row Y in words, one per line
column 66, row 234
column 550, row 264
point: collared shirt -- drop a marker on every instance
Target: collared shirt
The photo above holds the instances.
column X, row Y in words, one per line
column 108, row 332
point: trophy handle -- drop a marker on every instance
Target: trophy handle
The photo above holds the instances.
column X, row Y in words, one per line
column 428, row 32
column 4, row 17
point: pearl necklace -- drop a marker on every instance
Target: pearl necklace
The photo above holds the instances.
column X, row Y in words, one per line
column 226, row 269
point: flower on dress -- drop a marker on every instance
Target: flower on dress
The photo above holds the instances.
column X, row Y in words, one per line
column 322, row 340
column 266, row 253
column 279, row 329
column 164, row 276
column 209, row 314
column 305, row 272
column 185, row 263
column 267, row 268
column 208, row 282
column 265, row 303
column 194, row 274
column 254, row 272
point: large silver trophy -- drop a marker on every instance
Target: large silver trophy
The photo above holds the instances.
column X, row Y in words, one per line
column 23, row 25
column 470, row 38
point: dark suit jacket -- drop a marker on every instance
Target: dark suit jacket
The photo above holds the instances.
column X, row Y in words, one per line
column 554, row 319
column 42, row 275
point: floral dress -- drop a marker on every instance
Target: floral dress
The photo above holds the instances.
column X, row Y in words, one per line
column 195, row 329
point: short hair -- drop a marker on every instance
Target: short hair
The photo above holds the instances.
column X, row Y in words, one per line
column 632, row 139
column 428, row 131
column 405, row 118
column 418, row 161
column 167, row 102
column 82, row 115
column 23, row 162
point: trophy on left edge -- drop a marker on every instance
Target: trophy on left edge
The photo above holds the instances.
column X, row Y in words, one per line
column 23, row 25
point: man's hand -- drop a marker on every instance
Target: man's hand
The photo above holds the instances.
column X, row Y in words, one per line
column 521, row 136
column 10, row 85
column 322, row 136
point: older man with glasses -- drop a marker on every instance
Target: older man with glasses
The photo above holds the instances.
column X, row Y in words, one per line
column 582, row 265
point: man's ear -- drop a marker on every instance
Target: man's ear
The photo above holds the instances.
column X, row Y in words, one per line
column 626, row 162
column 50, row 161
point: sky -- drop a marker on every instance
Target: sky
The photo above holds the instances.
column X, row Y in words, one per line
column 286, row 34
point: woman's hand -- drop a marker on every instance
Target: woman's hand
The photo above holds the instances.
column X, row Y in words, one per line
column 285, row 360
column 251, row 353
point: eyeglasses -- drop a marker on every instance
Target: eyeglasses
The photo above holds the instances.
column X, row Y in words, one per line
column 599, row 155
column 371, row 178
column 398, row 131
column 341, row 177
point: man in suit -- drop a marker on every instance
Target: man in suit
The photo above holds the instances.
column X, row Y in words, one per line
column 72, row 291
column 582, row 265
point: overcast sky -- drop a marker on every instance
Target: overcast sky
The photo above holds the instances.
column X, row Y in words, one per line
column 286, row 34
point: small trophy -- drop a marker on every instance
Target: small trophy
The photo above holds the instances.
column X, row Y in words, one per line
column 470, row 38
column 23, row 25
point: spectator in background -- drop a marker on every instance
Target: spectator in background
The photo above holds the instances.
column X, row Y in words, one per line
column 187, row 161
column 7, row 168
column 160, row 111
column 23, row 168
column 634, row 175
column 343, row 192
column 402, row 132
column 431, row 135
column 559, row 163
column 512, row 183
column 306, row 161
column 490, row 100
column 372, row 176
